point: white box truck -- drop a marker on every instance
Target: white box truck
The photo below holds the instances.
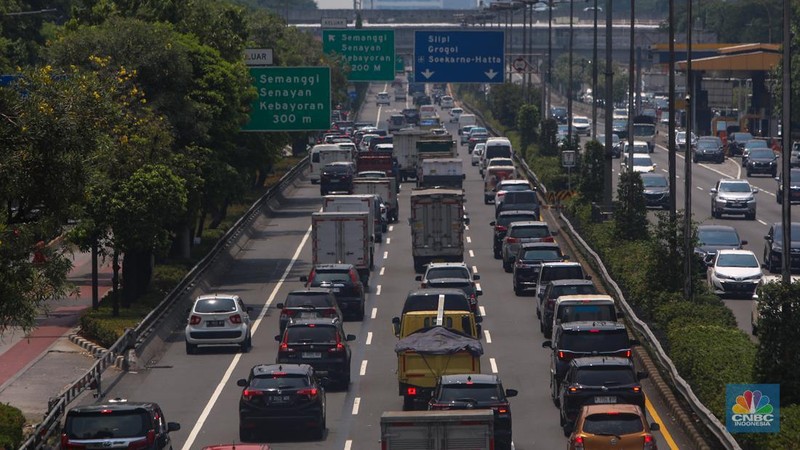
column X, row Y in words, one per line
column 385, row 187
column 342, row 238
column 357, row 203
column 438, row 430
column 410, row 141
column 322, row 154
column 437, row 226
column 444, row 172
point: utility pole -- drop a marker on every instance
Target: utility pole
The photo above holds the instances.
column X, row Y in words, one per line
column 688, row 251
column 786, row 142
column 673, row 214
column 609, row 104
column 570, row 82
column 549, row 57
column 631, row 86
column 594, row 76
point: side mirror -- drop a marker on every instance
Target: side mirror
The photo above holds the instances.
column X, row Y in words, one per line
column 713, row 190
column 642, row 375
column 241, row 382
column 565, row 257
column 277, row 338
column 476, row 277
column 511, row 392
column 351, row 337
column 418, row 278
column 655, row 427
column 492, row 223
column 173, row 426
column 588, row 277
column 755, row 190
column 463, row 176
column 396, row 320
column 547, row 344
column 778, row 179
column 744, row 242
column 635, row 342
column 767, row 237
column 279, row 306
column 554, row 233
column 304, row 279
column 396, row 328
column 620, row 314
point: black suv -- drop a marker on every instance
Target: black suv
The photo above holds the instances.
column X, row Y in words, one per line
column 282, row 395
column 656, row 190
column 794, row 187
column 308, row 303
column 708, row 149
column 598, row 380
column 579, row 339
column 712, row 238
column 773, row 247
column 477, row 391
column 337, row 177
column 117, row 424
column 528, row 261
column 555, row 289
column 503, row 220
column 320, row 343
column 762, row 160
column 518, row 200
column 344, row 281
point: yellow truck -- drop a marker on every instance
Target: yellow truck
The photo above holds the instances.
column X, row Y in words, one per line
column 425, row 356
column 443, row 307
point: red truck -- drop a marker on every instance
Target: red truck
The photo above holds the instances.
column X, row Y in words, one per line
column 375, row 161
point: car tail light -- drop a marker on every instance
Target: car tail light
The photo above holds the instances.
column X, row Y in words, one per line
column 285, row 348
column 511, row 240
column 548, row 239
column 353, row 277
column 194, row 320
column 411, row 391
column 236, row 319
column 637, row 389
column 649, row 442
column 626, row 354
column 309, row 392
column 339, row 348
column 144, row 443
column 565, row 356
column 288, row 312
column 574, row 389
column 577, row 443
column 250, row 394
column 65, row 445
column 330, row 312
column 501, row 409
column 500, row 228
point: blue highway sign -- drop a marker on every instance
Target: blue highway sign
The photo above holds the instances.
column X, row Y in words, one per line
column 459, row 56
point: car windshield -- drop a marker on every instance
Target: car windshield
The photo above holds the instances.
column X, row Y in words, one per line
column 480, row 392
column 613, row 424
column 795, row 232
column 279, row 381
column 734, row 187
column 525, row 196
column 762, row 154
column 100, row 425
column 589, row 341
column 605, row 376
column 447, row 272
column 464, row 285
column 339, row 276
column 586, row 312
column 737, row 260
column 681, row 136
column 580, row 121
column 718, row 237
column 535, row 231
column 308, row 333
column 504, row 221
column 644, row 129
column 794, row 175
column 320, row 300
column 215, row 305
column 542, row 255
column 657, row 181
column 476, row 130
column 337, row 169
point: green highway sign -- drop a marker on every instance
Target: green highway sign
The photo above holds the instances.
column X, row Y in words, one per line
column 399, row 64
column 290, row 99
column 370, row 53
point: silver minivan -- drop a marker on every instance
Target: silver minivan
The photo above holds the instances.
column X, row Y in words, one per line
column 584, row 308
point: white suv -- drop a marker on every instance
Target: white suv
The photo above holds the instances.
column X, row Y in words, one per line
column 218, row 319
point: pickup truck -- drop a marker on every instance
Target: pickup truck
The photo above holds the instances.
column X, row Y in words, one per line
column 437, row 430
column 423, row 357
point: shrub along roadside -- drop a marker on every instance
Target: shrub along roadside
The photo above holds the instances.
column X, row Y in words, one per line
column 11, row 422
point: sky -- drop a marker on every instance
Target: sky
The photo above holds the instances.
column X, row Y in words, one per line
column 335, row 4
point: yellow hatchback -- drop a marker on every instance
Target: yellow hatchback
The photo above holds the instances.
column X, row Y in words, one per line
column 613, row 427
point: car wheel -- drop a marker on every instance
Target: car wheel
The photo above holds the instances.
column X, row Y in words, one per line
column 714, row 213
column 749, row 173
column 567, row 427
column 319, row 432
column 497, row 255
column 507, row 266
column 548, row 331
column 779, row 198
column 245, row 435
column 774, row 174
column 247, row 344
column 360, row 316
column 554, row 392
column 517, row 290
column 191, row 349
column 772, row 268
column 750, row 216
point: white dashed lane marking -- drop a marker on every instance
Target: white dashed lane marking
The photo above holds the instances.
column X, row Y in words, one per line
column 471, row 254
column 383, row 269
column 469, row 240
column 369, row 337
column 699, row 188
column 474, row 269
column 356, row 404
column 488, row 336
column 762, row 222
column 378, row 290
column 388, row 241
column 385, row 255
column 493, row 363
column 363, row 370
column 391, row 227
column 483, row 311
column 347, row 444
column 374, row 313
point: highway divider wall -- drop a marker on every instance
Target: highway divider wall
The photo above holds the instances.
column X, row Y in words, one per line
column 660, row 359
column 134, row 349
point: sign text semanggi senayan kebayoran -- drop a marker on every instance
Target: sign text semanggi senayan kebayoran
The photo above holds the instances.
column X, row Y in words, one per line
column 290, row 99
column 368, row 53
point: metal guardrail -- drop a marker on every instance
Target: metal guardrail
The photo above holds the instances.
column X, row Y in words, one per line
column 712, row 424
column 134, row 338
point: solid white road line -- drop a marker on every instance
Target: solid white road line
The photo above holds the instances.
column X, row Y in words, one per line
column 471, row 254
column 374, row 313
column 378, row 290
column 493, row 363
column 385, row 255
column 383, row 269
column 363, row 370
column 762, row 222
column 349, row 443
column 699, row 188
column 356, row 404
column 369, row 337
column 488, row 336
column 483, row 311
column 232, row 366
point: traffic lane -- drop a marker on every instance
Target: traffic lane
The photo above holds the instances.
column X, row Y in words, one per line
column 195, row 388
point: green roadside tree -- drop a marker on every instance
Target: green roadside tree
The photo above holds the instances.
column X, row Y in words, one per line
column 528, row 119
column 548, row 145
column 505, row 101
column 630, row 214
column 777, row 358
column 592, row 172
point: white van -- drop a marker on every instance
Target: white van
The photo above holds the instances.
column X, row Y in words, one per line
column 583, row 308
column 466, row 119
column 496, row 147
column 322, row 154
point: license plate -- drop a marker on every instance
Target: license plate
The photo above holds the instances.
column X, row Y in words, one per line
column 312, row 355
column 605, row 399
column 309, row 315
column 337, row 289
column 215, row 323
column 278, row 399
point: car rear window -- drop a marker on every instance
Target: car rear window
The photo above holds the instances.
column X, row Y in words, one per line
column 338, row 169
column 279, row 381
column 613, row 424
column 520, row 197
column 331, row 276
column 117, row 424
column 587, row 341
column 447, row 272
column 541, row 255
column 431, row 302
column 504, row 221
column 586, row 312
column 320, row 299
column 473, row 392
column 215, row 305
column 577, row 289
column 562, row 273
column 605, row 376
column 306, row 334
column 537, row 231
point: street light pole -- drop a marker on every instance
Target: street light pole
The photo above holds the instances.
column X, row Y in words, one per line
column 671, row 126
column 549, row 57
column 786, row 138
column 594, row 76
column 608, row 166
column 688, row 251
column 631, row 88
column 569, row 82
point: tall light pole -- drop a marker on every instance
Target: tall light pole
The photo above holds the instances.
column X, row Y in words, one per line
column 631, row 85
column 786, row 138
column 594, row 76
column 671, row 126
column 688, row 251
column 569, row 82
column 609, row 130
column 549, row 56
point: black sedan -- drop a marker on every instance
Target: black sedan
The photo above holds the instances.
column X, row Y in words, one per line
column 794, row 187
column 656, row 190
column 762, row 160
column 528, row 262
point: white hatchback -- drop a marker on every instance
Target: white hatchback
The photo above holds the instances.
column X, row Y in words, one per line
column 735, row 272
column 218, row 319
